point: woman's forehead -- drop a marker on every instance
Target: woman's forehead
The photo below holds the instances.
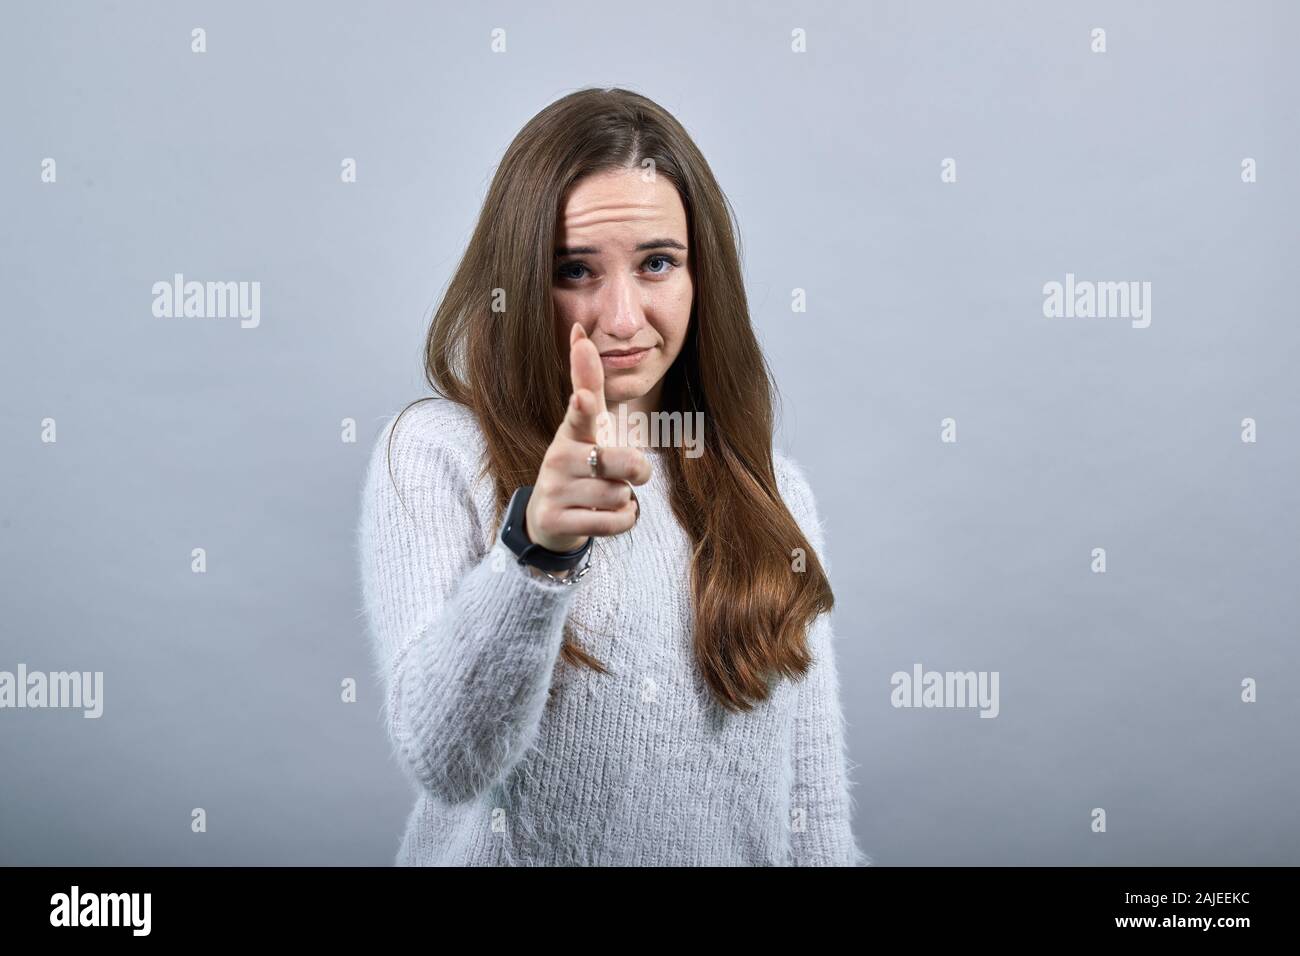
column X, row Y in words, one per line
column 622, row 198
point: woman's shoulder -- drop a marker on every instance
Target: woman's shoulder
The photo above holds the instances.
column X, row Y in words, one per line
column 424, row 478
column 797, row 493
column 428, row 437
column 792, row 482
column 434, row 423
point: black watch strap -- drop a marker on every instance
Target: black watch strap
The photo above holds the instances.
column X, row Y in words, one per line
column 514, row 534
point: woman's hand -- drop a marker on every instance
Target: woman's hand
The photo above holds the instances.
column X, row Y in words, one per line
column 568, row 505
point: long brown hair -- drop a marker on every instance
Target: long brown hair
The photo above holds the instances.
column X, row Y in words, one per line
column 752, row 611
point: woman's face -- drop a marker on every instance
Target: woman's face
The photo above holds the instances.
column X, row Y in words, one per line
column 621, row 272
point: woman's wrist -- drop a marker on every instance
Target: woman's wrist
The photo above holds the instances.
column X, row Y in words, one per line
column 568, row 577
column 540, row 575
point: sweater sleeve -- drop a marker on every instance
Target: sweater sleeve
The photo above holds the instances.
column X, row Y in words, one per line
column 464, row 639
column 821, row 802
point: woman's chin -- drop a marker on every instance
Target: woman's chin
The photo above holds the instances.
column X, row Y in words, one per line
column 617, row 392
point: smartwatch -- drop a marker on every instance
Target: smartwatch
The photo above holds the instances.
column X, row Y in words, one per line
column 514, row 534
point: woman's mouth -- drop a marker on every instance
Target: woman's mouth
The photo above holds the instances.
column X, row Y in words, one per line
column 623, row 358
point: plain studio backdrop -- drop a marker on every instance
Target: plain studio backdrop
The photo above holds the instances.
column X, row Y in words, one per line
column 831, row 128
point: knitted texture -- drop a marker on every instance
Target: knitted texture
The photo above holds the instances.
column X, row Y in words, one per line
column 522, row 759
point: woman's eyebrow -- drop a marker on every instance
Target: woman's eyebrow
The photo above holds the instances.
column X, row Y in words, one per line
column 593, row 251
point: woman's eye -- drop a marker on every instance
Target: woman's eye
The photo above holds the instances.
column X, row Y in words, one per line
column 567, row 271
column 668, row 260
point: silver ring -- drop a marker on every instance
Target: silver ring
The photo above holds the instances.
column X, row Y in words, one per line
column 593, row 461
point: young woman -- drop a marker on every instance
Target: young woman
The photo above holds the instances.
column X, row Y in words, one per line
column 599, row 647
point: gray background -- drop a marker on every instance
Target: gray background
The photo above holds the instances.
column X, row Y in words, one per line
column 925, row 301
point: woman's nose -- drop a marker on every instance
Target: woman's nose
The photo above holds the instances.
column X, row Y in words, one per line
column 620, row 314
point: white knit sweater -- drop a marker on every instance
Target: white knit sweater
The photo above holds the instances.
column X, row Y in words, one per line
column 522, row 759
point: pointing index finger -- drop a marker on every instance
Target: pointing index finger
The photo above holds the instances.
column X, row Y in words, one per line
column 587, row 372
